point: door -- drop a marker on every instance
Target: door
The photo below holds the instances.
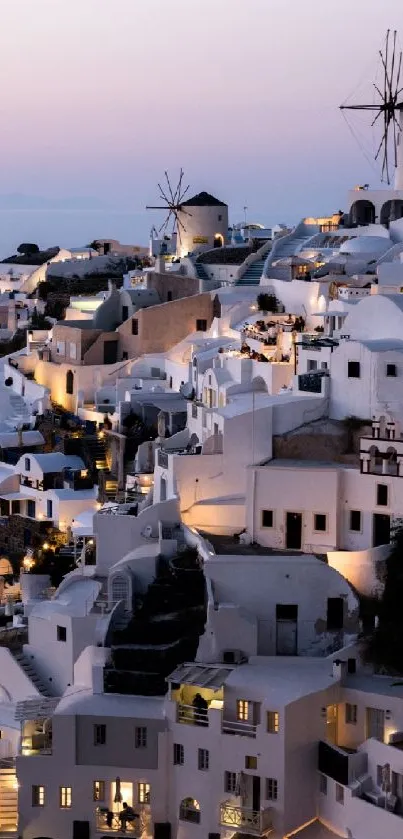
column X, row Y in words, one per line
column 286, row 629
column 381, row 529
column 331, row 724
column 293, row 534
column 376, row 724
column 110, row 352
column 256, row 793
column 397, row 785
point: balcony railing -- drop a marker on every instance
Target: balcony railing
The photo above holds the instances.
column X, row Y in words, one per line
column 245, row 819
column 37, row 744
column 189, row 814
column 190, row 715
column 107, row 821
column 246, row 729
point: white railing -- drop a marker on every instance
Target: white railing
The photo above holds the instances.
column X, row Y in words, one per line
column 252, row 821
column 190, row 715
column 246, row 729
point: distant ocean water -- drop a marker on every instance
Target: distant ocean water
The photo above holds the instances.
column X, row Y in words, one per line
column 71, row 228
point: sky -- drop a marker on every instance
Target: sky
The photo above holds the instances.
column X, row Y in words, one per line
column 99, row 97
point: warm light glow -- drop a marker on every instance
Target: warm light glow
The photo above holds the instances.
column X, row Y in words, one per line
column 28, row 563
column 90, row 541
column 45, row 546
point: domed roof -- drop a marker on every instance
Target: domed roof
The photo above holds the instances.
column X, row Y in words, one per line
column 203, row 199
column 365, row 245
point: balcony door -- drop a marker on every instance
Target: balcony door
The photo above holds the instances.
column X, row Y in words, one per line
column 376, row 724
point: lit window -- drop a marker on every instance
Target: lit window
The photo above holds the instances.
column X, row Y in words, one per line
column 38, row 796
column 271, row 789
column 140, row 737
column 99, row 735
column 179, row 754
column 98, row 792
column 351, row 714
column 339, row 794
column 273, row 722
column 242, row 710
column 230, row 782
column 65, row 796
column 143, row 792
column 250, row 762
column 203, row 759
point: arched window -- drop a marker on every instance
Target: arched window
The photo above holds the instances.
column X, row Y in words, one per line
column 121, row 590
column 69, row 382
column 189, row 810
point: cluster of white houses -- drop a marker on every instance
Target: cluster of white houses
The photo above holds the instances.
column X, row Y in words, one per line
column 206, row 669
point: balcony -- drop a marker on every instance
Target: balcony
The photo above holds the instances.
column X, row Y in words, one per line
column 245, row 729
column 245, row 820
column 37, row 744
column 107, row 821
column 189, row 715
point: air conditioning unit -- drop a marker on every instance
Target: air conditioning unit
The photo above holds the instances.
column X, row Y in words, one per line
column 233, row 657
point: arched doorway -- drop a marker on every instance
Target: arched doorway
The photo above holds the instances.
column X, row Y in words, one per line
column 218, row 240
column 362, row 212
column 69, row 382
column 391, row 211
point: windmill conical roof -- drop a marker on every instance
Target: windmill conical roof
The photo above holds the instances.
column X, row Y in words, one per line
column 203, row 199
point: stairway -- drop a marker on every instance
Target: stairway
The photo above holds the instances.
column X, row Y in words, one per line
column 253, row 274
column 20, row 414
column 287, row 246
column 28, row 666
column 8, row 801
column 201, row 271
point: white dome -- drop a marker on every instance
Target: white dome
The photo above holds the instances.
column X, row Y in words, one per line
column 365, row 245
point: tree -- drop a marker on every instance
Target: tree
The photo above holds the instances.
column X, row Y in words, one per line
column 27, row 248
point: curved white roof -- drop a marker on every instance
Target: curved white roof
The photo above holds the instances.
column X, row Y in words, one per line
column 376, row 316
column 75, row 600
column 365, row 245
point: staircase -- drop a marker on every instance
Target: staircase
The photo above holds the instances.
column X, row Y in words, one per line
column 27, row 665
column 8, row 800
column 20, row 414
column 94, row 452
column 289, row 245
column 201, row 271
column 253, row 274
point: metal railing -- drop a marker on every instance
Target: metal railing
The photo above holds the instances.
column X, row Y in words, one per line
column 244, row 818
column 190, row 715
column 107, row 821
column 246, row 729
column 189, row 814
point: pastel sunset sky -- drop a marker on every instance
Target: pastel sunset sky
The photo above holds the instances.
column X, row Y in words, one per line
column 98, row 97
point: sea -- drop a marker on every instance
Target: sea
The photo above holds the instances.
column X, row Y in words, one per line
column 71, row 228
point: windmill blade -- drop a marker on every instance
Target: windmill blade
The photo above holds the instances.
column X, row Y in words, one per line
column 165, row 223
column 181, row 197
column 163, row 196
column 169, row 187
column 392, row 72
column 178, row 187
column 399, row 69
column 378, row 91
column 377, row 117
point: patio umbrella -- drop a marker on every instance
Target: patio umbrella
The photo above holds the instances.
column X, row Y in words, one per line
column 118, row 795
column 292, row 262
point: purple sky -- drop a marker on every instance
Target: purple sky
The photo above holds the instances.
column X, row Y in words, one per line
column 100, row 96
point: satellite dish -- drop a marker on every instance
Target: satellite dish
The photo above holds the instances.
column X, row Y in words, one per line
column 187, row 390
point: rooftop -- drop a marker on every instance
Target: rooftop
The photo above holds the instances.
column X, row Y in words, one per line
column 203, row 199
column 382, row 685
column 56, row 462
column 82, row 702
column 279, row 680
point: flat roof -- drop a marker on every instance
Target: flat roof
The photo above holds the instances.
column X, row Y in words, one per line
column 382, row 685
column 82, row 702
column 291, row 463
column 281, row 680
column 201, row 675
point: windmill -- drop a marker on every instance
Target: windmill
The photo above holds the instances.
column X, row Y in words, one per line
column 172, row 204
column 388, row 104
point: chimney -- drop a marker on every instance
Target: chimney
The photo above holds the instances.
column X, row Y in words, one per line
column 339, row 669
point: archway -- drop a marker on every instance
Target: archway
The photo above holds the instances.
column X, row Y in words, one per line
column 218, row 240
column 69, row 382
column 362, row 212
column 391, row 211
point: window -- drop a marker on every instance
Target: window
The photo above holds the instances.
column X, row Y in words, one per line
column 230, row 783
column 140, row 737
column 135, row 326
column 250, row 762
column 267, row 518
column 353, row 369
column 271, row 789
column 379, row 775
column 125, row 313
column 320, row 523
column 98, row 791
column 355, row 520
column 391, row 370
column 49, row 509
column 203, row 759
column 143, row 792
column 351, row 665
column 179, row 754
column 65, row 796
column 335, row 613
column 73, row 350
column 60, row 347
column 201, row 325
column 323, row 784
column 27, row 466
column 339, row 794
column 312, row 365
column 99, row 735
column 169, row 296
column 69, row 382
column 189, row 810
column 31, row 507
column 219, row 217
column 61, row 633
column 38, row 796
column 273, row 722
column 382, row 495
column 323, row 365
column 242, row 710
column 125, row 356
column 351, row 714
